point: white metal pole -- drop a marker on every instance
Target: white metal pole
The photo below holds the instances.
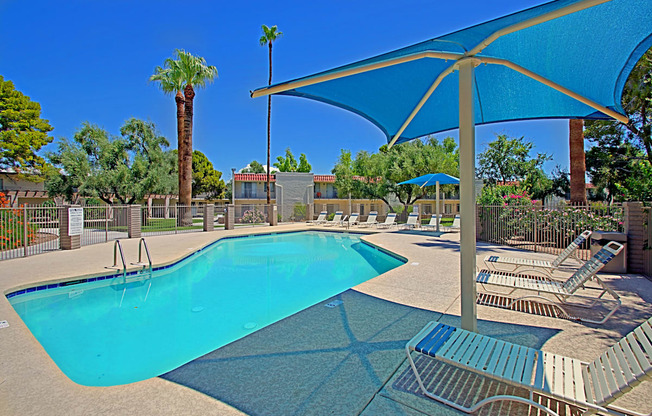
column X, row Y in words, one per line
column 467, row 195
column 437, row 202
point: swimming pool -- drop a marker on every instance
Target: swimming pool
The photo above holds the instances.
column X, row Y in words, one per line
column 108, row 332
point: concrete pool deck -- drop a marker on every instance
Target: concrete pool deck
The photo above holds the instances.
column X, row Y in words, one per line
column 343, row 360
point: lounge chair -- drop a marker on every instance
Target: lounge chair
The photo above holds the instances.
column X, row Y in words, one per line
column 320, row 219
column 432, row 225
column 547, row 266
column 446, row 221
column 412, row 222
column 371, row 220
column 336, row 219
column 353, row 220
column 389, row 221
column 592, row 386
column 562, row 291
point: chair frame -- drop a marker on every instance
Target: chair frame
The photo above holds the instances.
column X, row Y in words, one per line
column 562, row 291
column 336, row 219
column 321, row 219
column 548, row 267
column 412, row 222
column 373, row 215
column 387, row 224
column 588, row 385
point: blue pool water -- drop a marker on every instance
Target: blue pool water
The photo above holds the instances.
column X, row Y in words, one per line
column 110, row 332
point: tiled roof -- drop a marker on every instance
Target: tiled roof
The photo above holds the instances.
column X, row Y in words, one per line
column 324, row 178
column 254, row 177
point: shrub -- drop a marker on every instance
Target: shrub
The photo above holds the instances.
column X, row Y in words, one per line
column 253, row 216
column 12, row 226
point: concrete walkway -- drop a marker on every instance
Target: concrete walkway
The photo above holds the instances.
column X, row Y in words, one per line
column 290, row 367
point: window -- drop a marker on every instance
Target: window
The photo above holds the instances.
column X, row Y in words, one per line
column 361, row 209
column 271, row 187
column 427, row 209
column 249, row 190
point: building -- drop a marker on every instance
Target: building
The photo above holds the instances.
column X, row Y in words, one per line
column 301, row 196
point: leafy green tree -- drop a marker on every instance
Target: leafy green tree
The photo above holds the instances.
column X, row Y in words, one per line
column 205, row 179
column 304, row 166
column 289, row 163
column 270, row 34
column 637, row 103
column 192, row 72
column 508, row 159
column 22, row 131
column 123, row 168
column 254, row 167
column 618, row 169
column 378, row 174
column 343, row 171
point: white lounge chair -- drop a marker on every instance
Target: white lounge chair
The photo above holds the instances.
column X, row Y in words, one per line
column 353, row 220
column 562, row 291
column 592, row 386
column 389, row 221
column 513, row 264
column 320, row 219
column 371, row 220
column 432, row 225
column 336, row 219
column 447, row 221
column 412, row 222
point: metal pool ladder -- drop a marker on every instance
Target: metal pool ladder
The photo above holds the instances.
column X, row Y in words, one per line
column 117, row 246
column 140, row 262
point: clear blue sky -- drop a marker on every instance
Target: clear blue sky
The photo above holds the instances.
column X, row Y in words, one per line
column 91, row 60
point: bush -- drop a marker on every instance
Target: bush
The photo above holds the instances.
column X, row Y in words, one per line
column 253, row 216
column 12, row 226
column 299, row 212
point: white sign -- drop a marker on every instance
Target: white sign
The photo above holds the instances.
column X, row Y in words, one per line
column 75, row 221
column 4, row 324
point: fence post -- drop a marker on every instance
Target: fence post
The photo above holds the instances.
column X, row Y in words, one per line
column 272, row 214
column 229, row 218
column 635, row 230
column 478, row 223
column 67, row 241
column 133, row 221
column 25, row 236
column 209, row 217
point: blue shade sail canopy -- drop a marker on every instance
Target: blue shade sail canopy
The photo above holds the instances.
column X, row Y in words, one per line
column 431, row 179
column 589, row 52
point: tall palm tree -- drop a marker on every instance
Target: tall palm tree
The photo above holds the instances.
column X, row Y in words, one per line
column 170, row 82
column 270, row 34
column 577, row 162
column 190, row 71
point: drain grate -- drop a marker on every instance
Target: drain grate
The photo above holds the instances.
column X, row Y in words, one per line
column 334, row 303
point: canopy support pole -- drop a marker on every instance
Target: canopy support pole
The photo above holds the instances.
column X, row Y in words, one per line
column 467, row 194
column 437, row 202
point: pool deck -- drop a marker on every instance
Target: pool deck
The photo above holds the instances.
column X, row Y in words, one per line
column 361, row 368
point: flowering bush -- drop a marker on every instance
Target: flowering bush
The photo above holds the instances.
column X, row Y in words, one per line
column 12, row 226
column 521, row 217
column 253, row 216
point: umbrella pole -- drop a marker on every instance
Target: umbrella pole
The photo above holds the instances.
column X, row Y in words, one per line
column 467, row 195
column 437, row 202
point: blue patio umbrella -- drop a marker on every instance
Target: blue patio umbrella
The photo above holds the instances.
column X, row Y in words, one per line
column 561, row 59
column 430, row 179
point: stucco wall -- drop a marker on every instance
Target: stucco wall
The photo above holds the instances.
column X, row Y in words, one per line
column 293, row 188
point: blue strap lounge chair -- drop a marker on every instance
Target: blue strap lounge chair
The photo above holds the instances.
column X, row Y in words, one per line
column 389, row 221
column 412, row 222
column 592, row 386
column 337, row 219
column 562, row 291
column 513, row 264
column 371, row 220
column 320, row 219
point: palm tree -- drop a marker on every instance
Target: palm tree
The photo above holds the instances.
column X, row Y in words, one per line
column 270, row 34
column 577, row 162
column 170, row 82
column 188, row 71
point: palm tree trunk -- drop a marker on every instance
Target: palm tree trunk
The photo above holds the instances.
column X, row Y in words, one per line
column 180, row 122
column 269, row 125
column 577, row 162
column 185, row 176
